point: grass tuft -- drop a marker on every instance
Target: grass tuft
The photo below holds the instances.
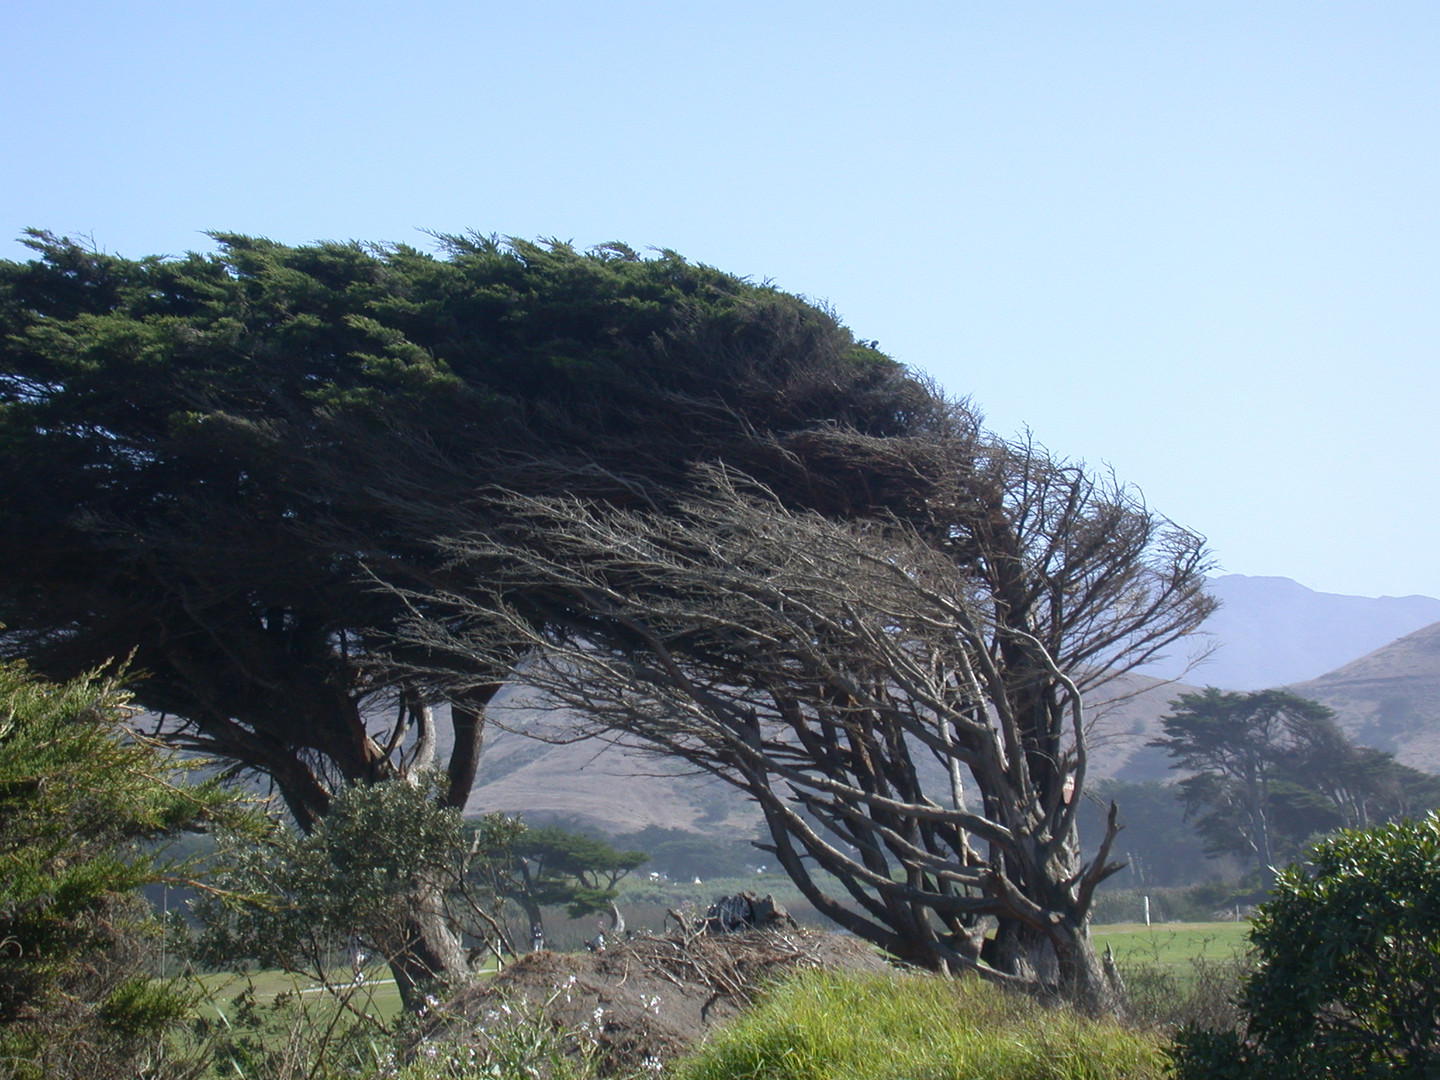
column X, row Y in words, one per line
column 839, row 1026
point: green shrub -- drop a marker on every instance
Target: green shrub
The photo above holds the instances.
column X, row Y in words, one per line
column 829, row 1026
column 83, row 804
column 1347, row 982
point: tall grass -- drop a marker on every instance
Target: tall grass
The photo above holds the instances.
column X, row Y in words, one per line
column 838, row 1026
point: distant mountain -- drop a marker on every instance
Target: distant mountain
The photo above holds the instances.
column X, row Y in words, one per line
column 1271, row 631
column 1390, row 698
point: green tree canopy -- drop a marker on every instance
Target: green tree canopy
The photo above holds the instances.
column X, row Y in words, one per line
column 208, row 458
column 81, row 803
column 199, row 451
column 296, row 901
column 1269, row 770
column 553, row 866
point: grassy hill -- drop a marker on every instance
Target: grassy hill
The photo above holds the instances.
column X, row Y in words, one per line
column 1390, row 698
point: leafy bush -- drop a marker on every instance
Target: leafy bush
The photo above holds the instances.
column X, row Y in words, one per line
column 1200, row 996
column 827, row 1025
column 81, row 802
column 302, row 902
column 1347, row 982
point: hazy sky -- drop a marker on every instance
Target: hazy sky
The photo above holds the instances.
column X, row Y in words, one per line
column 1196, row 242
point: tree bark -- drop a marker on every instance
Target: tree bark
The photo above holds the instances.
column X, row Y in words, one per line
column 1061, row 960
column 429, row 953
column 467, row 718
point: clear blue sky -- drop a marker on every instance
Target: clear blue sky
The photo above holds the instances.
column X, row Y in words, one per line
column 1197, row 242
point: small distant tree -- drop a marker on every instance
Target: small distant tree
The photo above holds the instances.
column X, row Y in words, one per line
column 551, row 866
column 1347, row 981
column 83, row 802
column 1269, row 770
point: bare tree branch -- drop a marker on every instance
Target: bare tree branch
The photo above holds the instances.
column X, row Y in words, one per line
column 841, row 673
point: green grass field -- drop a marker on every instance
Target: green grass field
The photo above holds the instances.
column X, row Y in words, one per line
column 377, row 996
column 1172, row 946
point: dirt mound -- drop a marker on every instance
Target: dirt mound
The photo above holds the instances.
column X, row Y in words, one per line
column 647, row 999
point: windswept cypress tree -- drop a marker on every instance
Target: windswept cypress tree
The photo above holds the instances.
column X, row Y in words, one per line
column 206, row 460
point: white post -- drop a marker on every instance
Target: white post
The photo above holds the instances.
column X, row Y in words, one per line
column 1147, row 911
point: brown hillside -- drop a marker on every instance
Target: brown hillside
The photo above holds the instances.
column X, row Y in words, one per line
column 593, row 783
column 1390, row 698
column 1125, row 715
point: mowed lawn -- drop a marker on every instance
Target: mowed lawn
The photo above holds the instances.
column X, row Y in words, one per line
column 376, row 996
column 1172, row 946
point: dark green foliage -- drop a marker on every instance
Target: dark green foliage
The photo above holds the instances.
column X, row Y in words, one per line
column 1270, row 770
column 306, row 902
column 554, row 866
column 1349, row 970
column 209, row 460
column 201, row 454
column 1347, row 983
column 81, row 802
column 1201, row 1054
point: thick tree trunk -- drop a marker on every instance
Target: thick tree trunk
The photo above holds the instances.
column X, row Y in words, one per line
column 1060, row 961
column 533, row 913
column 1085, row 977
column 467, row 717
column 430, row 952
